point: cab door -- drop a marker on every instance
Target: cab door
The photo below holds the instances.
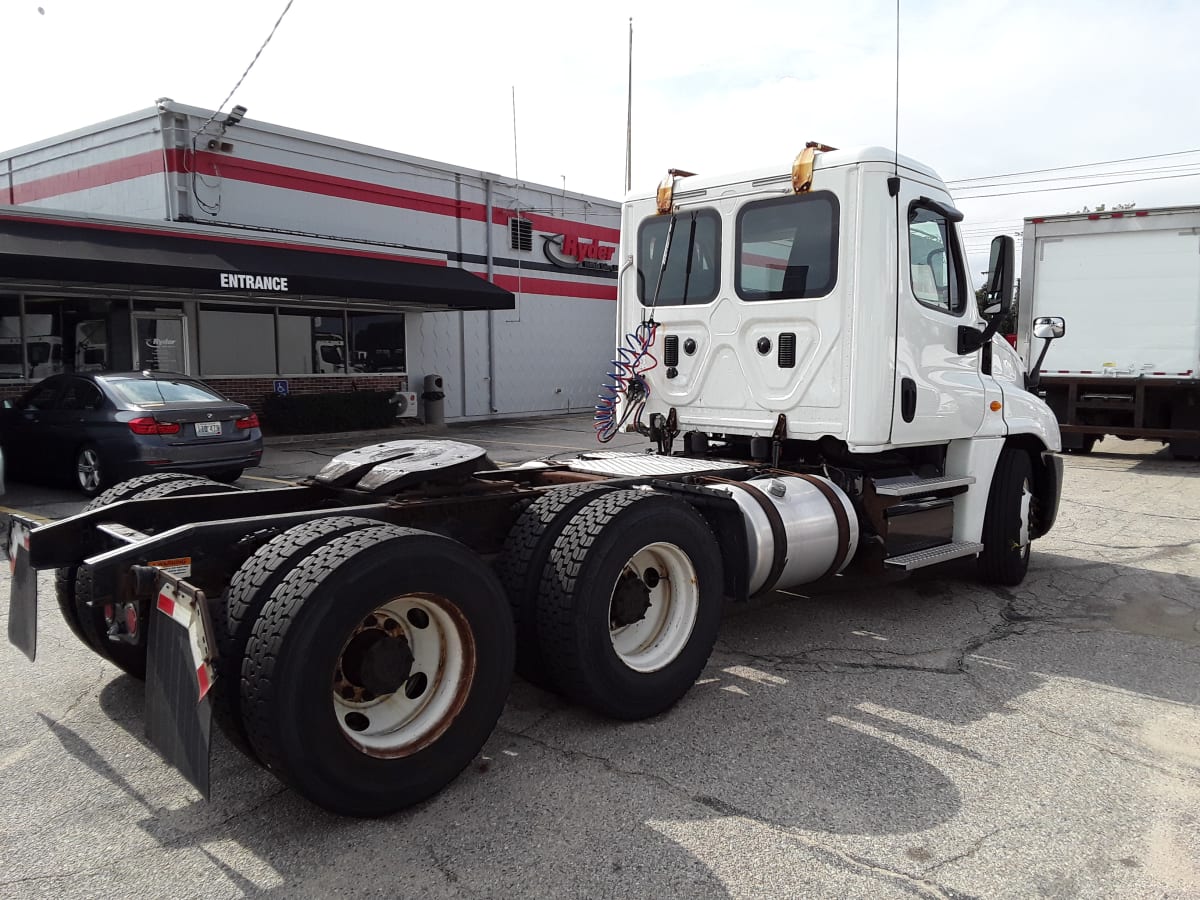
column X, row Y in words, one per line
column 939, row 392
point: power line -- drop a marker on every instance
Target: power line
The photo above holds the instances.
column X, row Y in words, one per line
column 1143, row 171
column 1107, row 162
column 248, row 68
column 1079, row 187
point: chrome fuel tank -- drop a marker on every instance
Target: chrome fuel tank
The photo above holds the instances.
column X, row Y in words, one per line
column 799, row 528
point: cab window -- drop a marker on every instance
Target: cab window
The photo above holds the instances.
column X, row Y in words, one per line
column 787, row 247
column 693, row 272
column 933, row 261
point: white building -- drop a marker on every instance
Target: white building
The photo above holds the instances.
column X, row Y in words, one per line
column 248, row 254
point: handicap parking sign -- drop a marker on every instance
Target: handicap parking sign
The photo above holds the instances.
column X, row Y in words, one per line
column 281, row 386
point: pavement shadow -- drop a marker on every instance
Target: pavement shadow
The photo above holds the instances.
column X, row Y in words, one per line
column 833, row 713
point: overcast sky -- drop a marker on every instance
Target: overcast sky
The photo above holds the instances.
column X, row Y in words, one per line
column 985, row 87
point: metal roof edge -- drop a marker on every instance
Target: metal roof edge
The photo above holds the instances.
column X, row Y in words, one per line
column 82, row 132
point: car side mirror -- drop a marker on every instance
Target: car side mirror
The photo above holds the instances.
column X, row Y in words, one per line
column 1049, row 327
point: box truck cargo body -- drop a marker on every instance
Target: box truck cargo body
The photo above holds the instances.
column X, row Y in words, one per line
column 1128, row 282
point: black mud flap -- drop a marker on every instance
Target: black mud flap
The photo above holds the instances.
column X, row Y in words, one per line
column 22, row 598
column 179, row 673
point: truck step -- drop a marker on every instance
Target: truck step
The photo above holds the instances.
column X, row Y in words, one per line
column 934, row 555
column 912, row 486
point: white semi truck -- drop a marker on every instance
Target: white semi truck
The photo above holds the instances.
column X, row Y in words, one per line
column 1129, row 281
column 802, row 349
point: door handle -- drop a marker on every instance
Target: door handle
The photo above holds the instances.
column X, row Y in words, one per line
column 908, row 399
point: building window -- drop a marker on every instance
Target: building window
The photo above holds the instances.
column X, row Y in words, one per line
column 311, row 342
column 61, row 335
column 377, row 342
column 520, row 234
column 237, row 341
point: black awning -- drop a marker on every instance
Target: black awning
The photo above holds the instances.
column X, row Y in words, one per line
column 37, row 247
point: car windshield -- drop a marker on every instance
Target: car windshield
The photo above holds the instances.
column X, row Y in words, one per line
column 144, row 391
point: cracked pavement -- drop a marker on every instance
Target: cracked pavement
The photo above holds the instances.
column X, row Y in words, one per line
column 919, row 737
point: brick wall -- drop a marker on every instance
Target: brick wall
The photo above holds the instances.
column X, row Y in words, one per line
column 251, row 391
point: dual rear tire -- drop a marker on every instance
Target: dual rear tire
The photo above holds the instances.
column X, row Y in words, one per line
column 376, row 661
column 619, row 603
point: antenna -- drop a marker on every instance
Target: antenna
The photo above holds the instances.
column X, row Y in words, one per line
column 516, row 169
column 629, row 117
column 894, row 181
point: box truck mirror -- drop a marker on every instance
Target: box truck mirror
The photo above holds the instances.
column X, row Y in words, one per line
column 1049, row 327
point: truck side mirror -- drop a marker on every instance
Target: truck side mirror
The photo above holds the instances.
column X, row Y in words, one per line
column 1000, row 273
column 1049, row 327
column 999, row 295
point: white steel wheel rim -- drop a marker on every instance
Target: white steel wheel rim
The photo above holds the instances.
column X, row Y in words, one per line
column 87, row 469
column 405, row 721
column 657, row 639
column 1026, row 515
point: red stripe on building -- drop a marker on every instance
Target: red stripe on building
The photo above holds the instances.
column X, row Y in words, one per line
column 557, row 288
column 224, row 239
column 98, row 175
column 215, row 165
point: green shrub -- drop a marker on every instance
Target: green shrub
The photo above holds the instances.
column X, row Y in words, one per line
column 320, row 413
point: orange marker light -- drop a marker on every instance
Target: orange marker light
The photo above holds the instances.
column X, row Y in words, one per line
column 996, row 405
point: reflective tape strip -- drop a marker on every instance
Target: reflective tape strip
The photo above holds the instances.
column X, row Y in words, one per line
column 182, row 608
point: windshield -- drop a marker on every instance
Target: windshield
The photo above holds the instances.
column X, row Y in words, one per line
column 144, row 391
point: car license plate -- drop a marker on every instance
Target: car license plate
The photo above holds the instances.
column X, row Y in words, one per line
column 207, row 429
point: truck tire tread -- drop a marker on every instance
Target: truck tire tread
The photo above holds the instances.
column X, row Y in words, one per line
column 305, row 748
column 243, row 600
column 526, row 551
column 1002, row 561
column 586, row 668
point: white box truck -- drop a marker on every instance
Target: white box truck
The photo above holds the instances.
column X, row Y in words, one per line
column 1129, row 283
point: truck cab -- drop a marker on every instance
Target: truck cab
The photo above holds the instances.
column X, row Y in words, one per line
column 823, row 315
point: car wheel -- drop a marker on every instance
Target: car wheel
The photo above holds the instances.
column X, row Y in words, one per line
column 89, row 473
column 229, row 476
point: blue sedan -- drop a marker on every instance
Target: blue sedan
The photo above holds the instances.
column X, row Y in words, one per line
column 101, row 428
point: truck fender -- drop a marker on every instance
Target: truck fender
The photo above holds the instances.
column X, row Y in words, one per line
column 728, row 524
column 1026, row 414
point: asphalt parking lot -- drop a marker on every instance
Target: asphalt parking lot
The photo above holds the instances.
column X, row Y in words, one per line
column 928, row 737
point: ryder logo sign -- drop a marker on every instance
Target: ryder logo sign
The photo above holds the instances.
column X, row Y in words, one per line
column 241, row 282
column 569, row 251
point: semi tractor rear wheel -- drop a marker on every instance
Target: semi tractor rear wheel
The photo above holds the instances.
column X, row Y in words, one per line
column 630, row 603
column 73, row 586
column 377, row 669
column 523, row 562
column 247, row 594
column 64, row 578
